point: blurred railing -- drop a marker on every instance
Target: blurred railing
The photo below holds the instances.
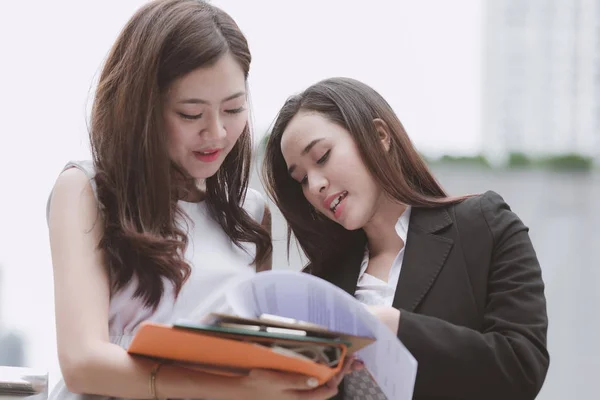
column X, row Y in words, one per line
column 23, row 383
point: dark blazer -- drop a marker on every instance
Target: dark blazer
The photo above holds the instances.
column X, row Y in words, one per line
column 471, row 299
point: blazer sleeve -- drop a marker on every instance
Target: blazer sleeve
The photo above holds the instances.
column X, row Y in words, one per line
column 508, row 358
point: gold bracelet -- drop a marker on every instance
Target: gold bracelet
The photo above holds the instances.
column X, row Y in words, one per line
column 153, row 380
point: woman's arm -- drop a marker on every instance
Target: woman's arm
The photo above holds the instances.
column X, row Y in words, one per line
column 508, row 359
column 89, row 362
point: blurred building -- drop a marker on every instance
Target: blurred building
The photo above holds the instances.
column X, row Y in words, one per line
column 12, row 349
column 541, row 77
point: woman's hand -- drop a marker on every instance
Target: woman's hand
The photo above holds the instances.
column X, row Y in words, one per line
column 264, row 384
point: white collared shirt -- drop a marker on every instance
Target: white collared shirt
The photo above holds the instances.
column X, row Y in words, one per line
column 373, row 291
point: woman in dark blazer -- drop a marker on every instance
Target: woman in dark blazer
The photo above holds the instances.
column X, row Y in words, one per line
column 456, row 277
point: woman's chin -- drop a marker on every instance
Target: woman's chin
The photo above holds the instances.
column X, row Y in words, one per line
column 350, row 224
column 204, row 172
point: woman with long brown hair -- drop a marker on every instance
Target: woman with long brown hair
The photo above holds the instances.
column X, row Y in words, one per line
column 457, row 278
column 162, row 216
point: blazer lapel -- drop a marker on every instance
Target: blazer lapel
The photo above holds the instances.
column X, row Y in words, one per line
column 424, row 256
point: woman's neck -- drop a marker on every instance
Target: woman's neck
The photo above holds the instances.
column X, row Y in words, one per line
column 192, row 190
column 381, row 228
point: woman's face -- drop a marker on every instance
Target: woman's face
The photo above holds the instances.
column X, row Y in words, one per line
column 205, row 112
column 324, row 158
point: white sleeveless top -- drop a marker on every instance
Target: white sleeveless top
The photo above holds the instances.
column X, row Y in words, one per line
column 213, row 257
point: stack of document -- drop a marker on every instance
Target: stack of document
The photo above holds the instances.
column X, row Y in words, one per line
column 287, row 321
column 230, row 344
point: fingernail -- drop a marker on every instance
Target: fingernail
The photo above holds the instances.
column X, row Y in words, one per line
column 358, row 365
column 312, row 382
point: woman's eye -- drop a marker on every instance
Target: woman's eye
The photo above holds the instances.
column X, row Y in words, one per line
column 187, row 116
column 235, row 110
column 321, row 160
column 324, row 158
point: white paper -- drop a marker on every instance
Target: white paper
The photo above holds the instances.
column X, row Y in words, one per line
column 307, row 298
column 388, row 360
column 218, row 301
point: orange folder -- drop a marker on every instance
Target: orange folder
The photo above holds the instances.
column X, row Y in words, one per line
column 235, row 352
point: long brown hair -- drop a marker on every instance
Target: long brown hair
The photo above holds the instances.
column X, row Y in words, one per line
column 136, row 181
column 401, row 172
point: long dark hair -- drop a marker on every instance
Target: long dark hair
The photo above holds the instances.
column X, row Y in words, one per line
column 401, row 172
column 137, row 183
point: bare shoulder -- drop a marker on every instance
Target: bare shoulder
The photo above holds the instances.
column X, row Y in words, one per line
column 72, row 197
column 72, row 178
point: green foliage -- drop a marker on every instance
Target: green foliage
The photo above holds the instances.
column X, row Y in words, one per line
column 519, row 160
column 567, row 162
column 560, row 162
column 477, row 161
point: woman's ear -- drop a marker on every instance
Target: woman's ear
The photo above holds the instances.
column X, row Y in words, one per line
column 383, row 132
